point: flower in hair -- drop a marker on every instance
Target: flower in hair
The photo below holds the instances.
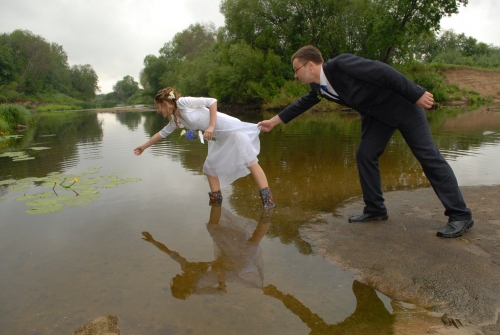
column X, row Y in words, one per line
column 171, row 95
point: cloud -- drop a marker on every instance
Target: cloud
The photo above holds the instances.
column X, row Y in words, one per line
column 113, row 36
column 479, row 19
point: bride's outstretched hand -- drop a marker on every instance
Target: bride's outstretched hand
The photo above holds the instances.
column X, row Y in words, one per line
column 138, row 151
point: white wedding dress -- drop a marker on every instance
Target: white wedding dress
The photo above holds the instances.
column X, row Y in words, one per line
column 236, row 144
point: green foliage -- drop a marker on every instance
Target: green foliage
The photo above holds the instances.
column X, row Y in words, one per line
column 245, row 75
column 36, row 67
column 84, row 81
column 450, row 48
column 248, row 60
column 284, row 26
column 427, row 77
column 183, row 63
column 4, row 126
column 125, row 88
column 288, row 93
column 373, row 29
column 6, row 64
column 12, row 115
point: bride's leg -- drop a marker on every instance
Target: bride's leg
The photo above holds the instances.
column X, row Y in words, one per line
column 213, row 182
column 259, row 176
column 216, row 195
column 264, row 191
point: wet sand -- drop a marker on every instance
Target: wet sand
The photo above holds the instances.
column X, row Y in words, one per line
column 405, row 260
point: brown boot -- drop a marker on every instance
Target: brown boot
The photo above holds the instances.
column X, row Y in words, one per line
column 215, row 197
column 267, row 198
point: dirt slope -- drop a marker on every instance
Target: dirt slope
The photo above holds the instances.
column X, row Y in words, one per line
column 486, row 82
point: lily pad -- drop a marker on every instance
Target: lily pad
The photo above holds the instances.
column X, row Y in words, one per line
column 26, row 181
column 7, row 137
column 39, row 148
column 119, row 171
column 13, row 154
column 44, row 194
column 16, row 188
column 57, row 207
column 7, row 182
column 109, row 185
column 93, row 194
column 24, row 158
column 90, row 181
column 132, row 180
column 26, row 197
column 79, row 201
column 63, row 198
column 42, row 202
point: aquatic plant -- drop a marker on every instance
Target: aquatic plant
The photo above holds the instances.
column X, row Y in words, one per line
column 81, row 192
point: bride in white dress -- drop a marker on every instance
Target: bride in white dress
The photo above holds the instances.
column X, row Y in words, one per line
column 231, row 156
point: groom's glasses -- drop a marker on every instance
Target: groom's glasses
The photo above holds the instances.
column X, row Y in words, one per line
column 295, row 71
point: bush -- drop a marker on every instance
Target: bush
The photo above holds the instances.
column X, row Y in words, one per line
column 428, row 77
column 12, row 115
column 289, row 92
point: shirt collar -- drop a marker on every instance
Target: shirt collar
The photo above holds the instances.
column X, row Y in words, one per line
column 322, row 78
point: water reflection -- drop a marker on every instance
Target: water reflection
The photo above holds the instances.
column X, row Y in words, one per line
column 131, row 120
column 86, row 261
column 237, row 256
column 63, row 133
column 370, row 316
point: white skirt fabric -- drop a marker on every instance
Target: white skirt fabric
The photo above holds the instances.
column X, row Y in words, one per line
column 234, row 149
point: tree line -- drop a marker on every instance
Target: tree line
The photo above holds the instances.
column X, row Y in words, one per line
column 247, row 61
column 29, row 65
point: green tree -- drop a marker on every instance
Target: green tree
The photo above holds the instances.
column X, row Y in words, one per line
column 31, row 54
column 154, row 68
column 84, row 81
column 6, row 64
column 31, row 65
column 183, row 62
column 399, row 23
column 245, row 75
column 286, row 25
column 125, row 88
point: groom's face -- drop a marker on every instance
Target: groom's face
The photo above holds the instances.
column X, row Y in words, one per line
column 302, row 71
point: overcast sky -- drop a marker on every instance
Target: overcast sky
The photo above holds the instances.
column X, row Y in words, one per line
column 114, row 36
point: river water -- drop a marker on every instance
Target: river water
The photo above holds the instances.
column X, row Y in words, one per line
column 87, row 228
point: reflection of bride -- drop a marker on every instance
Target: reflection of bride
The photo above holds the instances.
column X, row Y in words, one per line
column 237, row 256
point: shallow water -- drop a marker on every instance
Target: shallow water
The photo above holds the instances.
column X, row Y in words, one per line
column 60, row 270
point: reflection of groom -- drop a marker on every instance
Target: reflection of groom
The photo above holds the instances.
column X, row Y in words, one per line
column 370, row 316
column 237, row 254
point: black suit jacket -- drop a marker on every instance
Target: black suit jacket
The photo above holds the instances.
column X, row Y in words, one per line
column 369, row 87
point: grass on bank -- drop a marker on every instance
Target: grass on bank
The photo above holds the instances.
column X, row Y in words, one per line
column 11, row 115
column 54, row 108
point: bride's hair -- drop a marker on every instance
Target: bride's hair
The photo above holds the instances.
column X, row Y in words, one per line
column 170, row 95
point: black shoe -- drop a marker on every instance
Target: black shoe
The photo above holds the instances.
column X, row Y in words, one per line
column 455, row 228
column 367, row 217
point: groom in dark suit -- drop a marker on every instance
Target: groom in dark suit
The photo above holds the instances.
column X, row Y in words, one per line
column 387, row 101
